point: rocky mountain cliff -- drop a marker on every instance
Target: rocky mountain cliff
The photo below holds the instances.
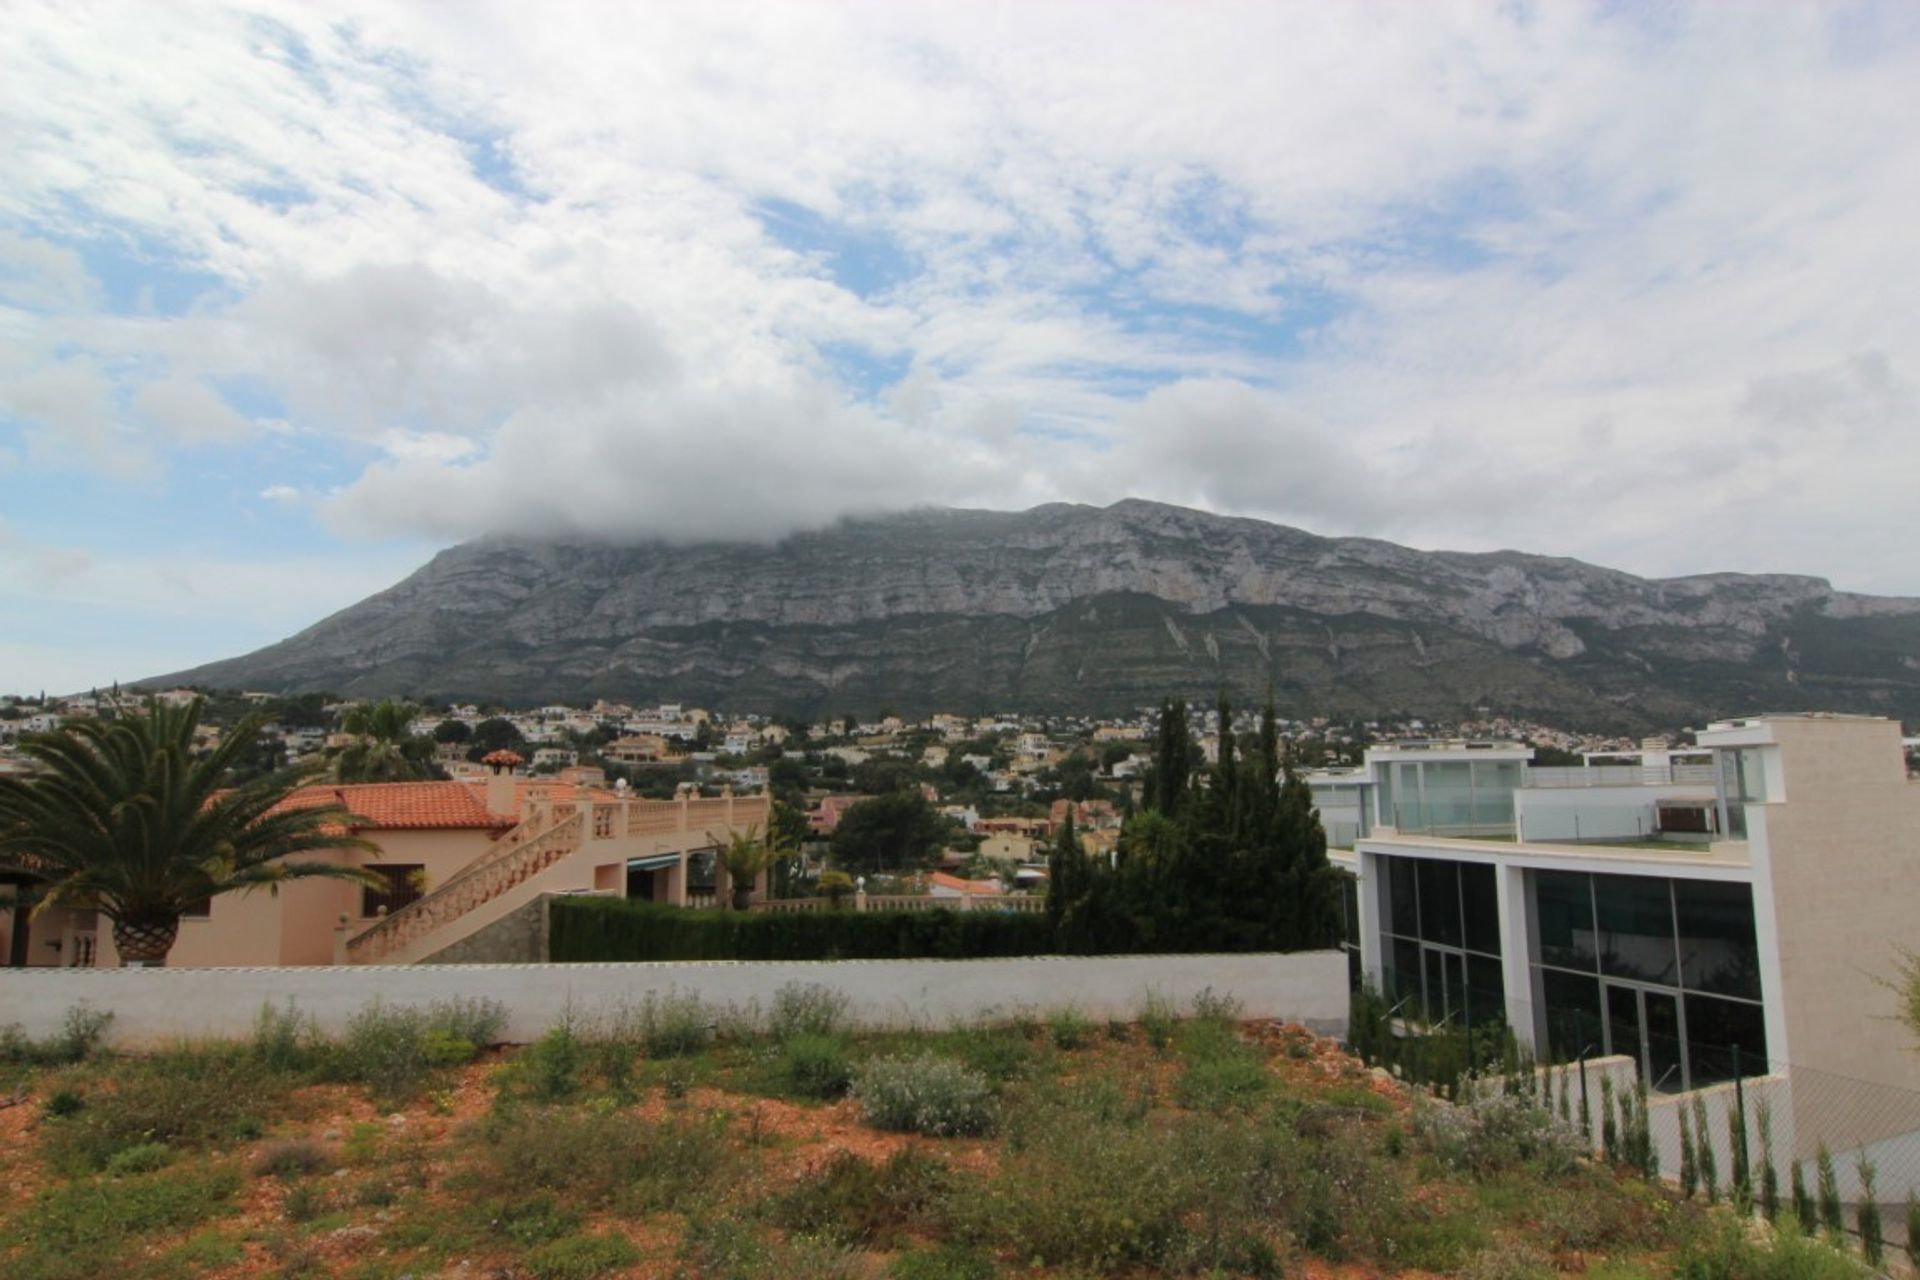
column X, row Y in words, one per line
column 1074, row 608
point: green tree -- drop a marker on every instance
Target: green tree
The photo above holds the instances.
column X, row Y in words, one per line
column 452, row 732
column 121, row 817
column 388, row 749
column 495, row 733
column 894, row 832
column 746, row 854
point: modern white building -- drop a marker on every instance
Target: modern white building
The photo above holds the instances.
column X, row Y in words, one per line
column 1676, row 907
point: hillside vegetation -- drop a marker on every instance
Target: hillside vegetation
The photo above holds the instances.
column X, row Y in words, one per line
column 676, row 1140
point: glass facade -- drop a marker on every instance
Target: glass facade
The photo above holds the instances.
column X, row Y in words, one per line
column 1449, row 797
column 1441, row 946
column 1666, row 971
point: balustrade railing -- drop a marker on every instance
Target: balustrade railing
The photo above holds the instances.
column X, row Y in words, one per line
column 487, row 877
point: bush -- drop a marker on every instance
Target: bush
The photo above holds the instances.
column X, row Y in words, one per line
column 143, row 1158
column 291, row 1159
column 1075, row 1189
column 285, row 1041
column 875, row 1205
column 593, row 930
column 549, row 1070
column 730, row 1249
column 673, row 1025
column 1159, row 1019
column 77, row 1040
column 1494, row 1131
column 581, row 1257
column 621, row 1160
column 1510, row 1262
column 394, row 1052
column 1728, row 1248
column 1069, row 1028
column 926, row 1094
column 813, row 1065
column 806, row 1009
column 1221, row 1072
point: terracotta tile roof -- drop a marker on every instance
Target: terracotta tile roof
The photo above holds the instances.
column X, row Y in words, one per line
column 419, row 806
column 975, row 888
column 556, row 792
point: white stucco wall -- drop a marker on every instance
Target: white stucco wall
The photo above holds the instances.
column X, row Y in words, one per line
column 155, row 1005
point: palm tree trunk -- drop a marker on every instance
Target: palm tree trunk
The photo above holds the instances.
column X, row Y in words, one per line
column 144, row 943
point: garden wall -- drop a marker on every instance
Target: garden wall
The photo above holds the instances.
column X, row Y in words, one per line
column 156, row 1005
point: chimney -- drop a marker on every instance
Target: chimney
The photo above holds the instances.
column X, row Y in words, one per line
column 500, row 783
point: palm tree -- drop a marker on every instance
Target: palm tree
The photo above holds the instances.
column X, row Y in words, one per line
column 388, row 750
column 119, row 816
column 746, row 855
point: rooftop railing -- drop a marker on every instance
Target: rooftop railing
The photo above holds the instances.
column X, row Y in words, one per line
column 1654, row 775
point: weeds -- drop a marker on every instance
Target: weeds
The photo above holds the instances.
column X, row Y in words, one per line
column 1069, row 1028
column 806, row 1009
column 633, row 1165
column 875, row 1205
column 815, row 1065
column 581, row 1257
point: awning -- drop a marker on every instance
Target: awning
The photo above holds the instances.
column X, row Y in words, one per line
column 654, row 863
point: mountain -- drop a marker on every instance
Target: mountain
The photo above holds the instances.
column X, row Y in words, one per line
column 1073, row 608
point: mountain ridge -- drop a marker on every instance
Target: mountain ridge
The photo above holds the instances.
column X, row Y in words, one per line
column 1002, row 610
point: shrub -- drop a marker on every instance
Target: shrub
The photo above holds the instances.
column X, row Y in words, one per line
column 1831, row 1216
column 394, row 1052
column 730, row 1249
column 1221, row 1074
column 291, row 1159
column 285, row 1041
column 143, row 1158
column 1494, row 1131
column 1222, row 1008
column 924, row 1094
column 675, row 1025
column 581, row 1257
column 1726, row 1249
column 621, row 1160
column 549, row 1070
column 527, row 1220
column 1159, row 1019
column 1867, row 1214
column 814, row 1065
column 875, row 1205
column 1510, row 1262
column 806, row 1009
column 1069, row 1028
column 81, row 1031
column 1000, row 1053
column 305, row 1201
column 1076, row 1190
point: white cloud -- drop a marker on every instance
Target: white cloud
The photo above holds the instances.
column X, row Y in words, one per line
column 1617, row 282
column 281, row 493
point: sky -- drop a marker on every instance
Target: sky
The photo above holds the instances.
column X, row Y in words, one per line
column 294, row 294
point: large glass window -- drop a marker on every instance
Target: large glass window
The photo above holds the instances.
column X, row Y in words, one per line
column 1449, row 794
column 1403, row 897
column 1668, row 953
column 1635, row 916
column 1573, row 1023
column 1442, row 943
column 1480, row 908
column 1439, row 902
column 1563, row 911
column 1494, row 782
column 1718, row 952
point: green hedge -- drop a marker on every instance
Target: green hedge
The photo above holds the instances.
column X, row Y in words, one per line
column 590, row 929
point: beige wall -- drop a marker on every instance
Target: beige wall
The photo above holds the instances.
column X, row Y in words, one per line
column 1842, row 851
column 296, row 926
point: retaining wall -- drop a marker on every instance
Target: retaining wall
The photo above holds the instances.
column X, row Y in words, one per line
column 157, row 1005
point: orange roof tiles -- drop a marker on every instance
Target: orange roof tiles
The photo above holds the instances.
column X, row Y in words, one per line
column 976, row 888
column 390, row 806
